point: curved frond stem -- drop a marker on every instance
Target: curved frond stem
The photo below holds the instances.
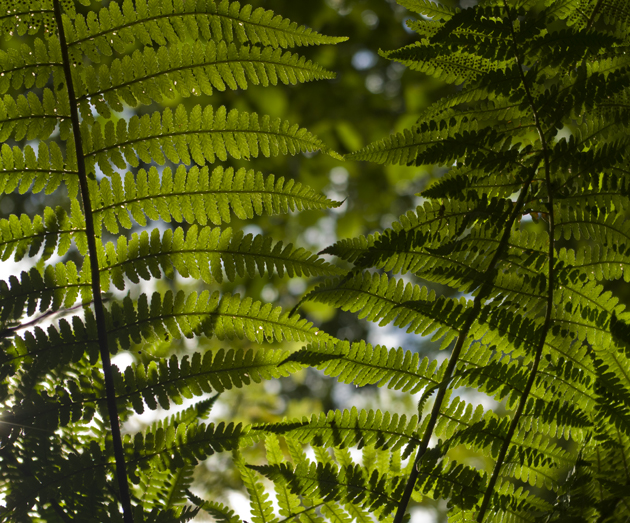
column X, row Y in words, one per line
column 550, row 291
column 99, row 310
column 454, row 359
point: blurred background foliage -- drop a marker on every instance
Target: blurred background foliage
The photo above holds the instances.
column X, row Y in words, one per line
column 369, row 99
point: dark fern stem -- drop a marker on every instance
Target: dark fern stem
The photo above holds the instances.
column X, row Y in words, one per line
column 99, row 309
column 455, row 354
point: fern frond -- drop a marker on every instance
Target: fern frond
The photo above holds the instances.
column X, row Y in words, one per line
column 174, row 22
column 181, row 444
column 28, row 117
column 170, row 381
column 436, row 143
column 288, row 502
column 429, row 8
column 613, row 399
column 350, row 484
column 227, row 316
column 363, row 364
column 72, row 402
column 58, row 287
column 201, row 135
column 383, row 300
column 261, row 507
column 157, row 485
column 63, row 344
column 63, row 90
column 485, row 432
column 448, row 67
column 20, row 237
column 199, row 196
column 342, row 429
column 21, row 169
column 72, row 471
column 545, row 413
column 29, row 64
column 451, row 480
column 335, row 514
column 151, row 75
column 205, row 254
column 218, row 511
column 457, row 181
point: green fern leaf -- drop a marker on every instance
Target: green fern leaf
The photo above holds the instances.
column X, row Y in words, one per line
column 218, row 511
column 429, row 8
column 376, row 493
column 22, row 237
column 261, row 507
column 210, row 314
column 202, row 136
column 199, row 196
column 58, row 287
column 152, row 22
column 173, row 380
column 159, row 75
column 29, row 65
column 349, row 428
column 28, row 117
column 362, row 364
column 205, row 254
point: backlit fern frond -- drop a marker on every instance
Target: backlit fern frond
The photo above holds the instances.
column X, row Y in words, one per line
column 187, row 377
column 383, row 300
column 182, row 443
column 199, row 196
column 201, row 135
column 29, row 64
column 20, row 237
column 429, row 8
column 58, row 287
column 175, row 22
column 205, row 254
column 28, row 117
column 70, row 75
column 521, row 235
column 160, row 75
column 261, row 507
column 220, row 512
column 331, row 483
column 225, row 317
column 363, row 364
column 349, row 428
column 41, row 171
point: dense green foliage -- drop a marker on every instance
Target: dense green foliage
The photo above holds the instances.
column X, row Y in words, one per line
column 503, row 263
column 526, row 225
column 66, row 78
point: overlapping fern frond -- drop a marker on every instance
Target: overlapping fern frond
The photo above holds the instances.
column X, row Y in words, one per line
column 526, row 228
column 68, row 76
